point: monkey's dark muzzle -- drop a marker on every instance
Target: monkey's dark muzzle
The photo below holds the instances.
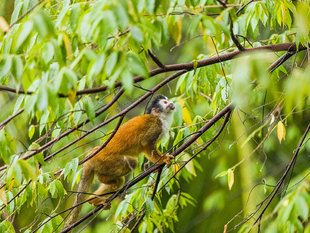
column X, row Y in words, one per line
column 171, row 106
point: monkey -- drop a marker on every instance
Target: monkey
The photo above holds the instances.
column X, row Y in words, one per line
column 138, row 135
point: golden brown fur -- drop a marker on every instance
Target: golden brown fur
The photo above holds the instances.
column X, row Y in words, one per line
column 119, row 157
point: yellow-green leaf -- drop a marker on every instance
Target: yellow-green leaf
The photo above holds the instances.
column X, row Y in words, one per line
column 230, row 178
column 190, row 165
column 281, row 131
column 31, row 131
column 3, row 196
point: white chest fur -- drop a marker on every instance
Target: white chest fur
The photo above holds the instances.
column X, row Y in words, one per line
column 166, row 120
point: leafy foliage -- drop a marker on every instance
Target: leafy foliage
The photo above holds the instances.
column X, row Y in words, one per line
column 66, row 60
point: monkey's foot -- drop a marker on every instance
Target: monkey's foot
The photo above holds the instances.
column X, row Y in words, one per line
column 100, row 201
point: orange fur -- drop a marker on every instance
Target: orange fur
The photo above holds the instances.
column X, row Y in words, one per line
column 118, row 158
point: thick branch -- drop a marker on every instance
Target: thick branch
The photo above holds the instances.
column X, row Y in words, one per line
column 187, row 66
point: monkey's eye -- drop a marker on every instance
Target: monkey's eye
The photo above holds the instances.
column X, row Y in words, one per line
column 165, row 101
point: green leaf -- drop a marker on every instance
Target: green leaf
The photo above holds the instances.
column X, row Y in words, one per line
column 42, row 100
column 43, row 24
column 121, row 16
column 89, row 107
column 127, row 80
column 111, row 62
column 221, row 174
column 178, row 115
column 27, row 170
column 149, row 205
column 16, row 12
column 97, row 66
column 137, row 34
column 17, row 69
column 6, row 226
column 23, row 35
column 18, row 103
column 74, row 16
column 5, row 67
column 71, row 167
column 285, row 211
column 17, row 173
column 56, row 189
column 48, row 52
column 302, row 208
column 136, row 65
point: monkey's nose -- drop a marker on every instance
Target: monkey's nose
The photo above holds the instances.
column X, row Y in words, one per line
column 171, row 106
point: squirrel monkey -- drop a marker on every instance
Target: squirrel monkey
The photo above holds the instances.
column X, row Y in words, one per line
column 119, row 157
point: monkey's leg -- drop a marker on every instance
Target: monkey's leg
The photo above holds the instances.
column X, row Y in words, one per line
column 111, row 172
column 109, row 184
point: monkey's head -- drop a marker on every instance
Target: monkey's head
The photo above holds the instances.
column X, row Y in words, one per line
column 160, row 104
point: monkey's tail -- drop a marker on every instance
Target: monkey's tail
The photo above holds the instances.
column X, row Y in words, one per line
column 84, row 186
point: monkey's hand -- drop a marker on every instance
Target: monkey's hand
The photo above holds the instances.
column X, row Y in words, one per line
column 100, row 201
column 167, row 159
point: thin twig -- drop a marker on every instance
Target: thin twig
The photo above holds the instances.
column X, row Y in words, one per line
column 17, row 194
column 5, row 122
column 105, row 143
column 280, row 182
column 242, row 7
column 26, row 13
column 153, row 196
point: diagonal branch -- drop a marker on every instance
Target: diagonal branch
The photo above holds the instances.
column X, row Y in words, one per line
column 227, row 117
column 5, row 122
column 26, row 13
column 280, row 182
column 156, row 60
column 105, row 143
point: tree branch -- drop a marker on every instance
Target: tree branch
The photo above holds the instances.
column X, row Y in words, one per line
column 17, row 194
column 187, row 66
column 105, row 143
column 5, row 122
column 156, row 60
column 233, row 36
column 27, row 12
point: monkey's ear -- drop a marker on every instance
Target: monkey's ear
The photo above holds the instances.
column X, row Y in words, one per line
column 155, row 111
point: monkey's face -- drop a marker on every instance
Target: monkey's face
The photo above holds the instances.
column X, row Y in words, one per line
column 160, row 106
column 166, row 106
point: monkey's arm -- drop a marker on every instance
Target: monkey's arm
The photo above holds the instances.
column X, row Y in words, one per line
column 155, row 156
